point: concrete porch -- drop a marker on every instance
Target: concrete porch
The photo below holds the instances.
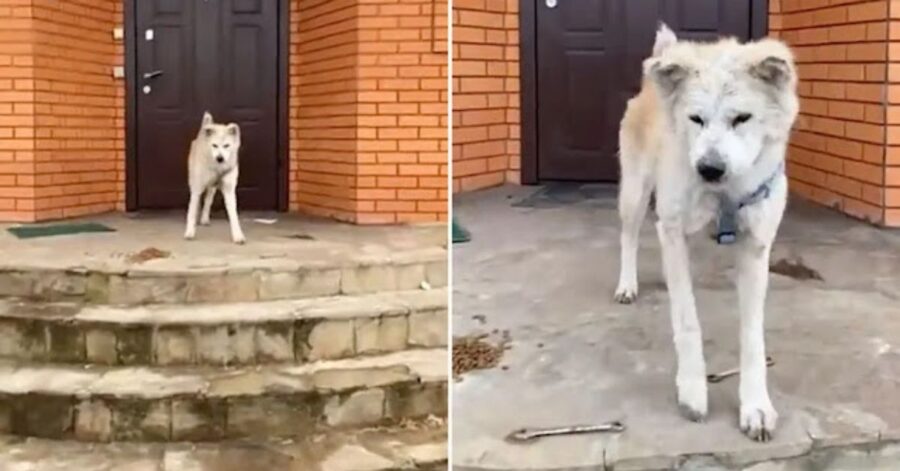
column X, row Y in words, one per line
column 543, row 277
column 317, row 345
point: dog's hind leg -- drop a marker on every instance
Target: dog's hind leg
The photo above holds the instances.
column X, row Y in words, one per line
column 207, row 205
column 690, row 379
column 634, row 198
column 757, row 417
column 190, row 230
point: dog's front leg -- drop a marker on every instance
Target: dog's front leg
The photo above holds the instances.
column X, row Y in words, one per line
column 690, row 378
column 190, row 230
column 229, row 189
column 207, row 205
column 758, row 417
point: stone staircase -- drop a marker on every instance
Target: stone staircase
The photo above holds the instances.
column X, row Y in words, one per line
column 253, row 351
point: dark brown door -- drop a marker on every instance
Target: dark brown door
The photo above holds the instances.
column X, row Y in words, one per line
column 196, row 55
column 589, row 55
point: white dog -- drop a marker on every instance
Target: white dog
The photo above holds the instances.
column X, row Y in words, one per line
column 708, row 133
column 212, row 166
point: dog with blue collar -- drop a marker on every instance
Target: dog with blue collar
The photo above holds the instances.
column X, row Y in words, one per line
column 707, row 135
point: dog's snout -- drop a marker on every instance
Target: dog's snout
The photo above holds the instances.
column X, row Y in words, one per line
column 220, row 159
column 711, row 168
column 711, row 172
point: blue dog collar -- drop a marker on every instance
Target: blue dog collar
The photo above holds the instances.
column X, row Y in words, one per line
column 726, row 232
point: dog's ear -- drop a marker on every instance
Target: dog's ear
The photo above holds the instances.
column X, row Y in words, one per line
column 772, row 70
column 665, row 38
column 667, row 75
column 207, row 119
column 234, row 129
column 773, row 64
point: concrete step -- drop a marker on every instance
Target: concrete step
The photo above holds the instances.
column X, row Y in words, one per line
column 252, row 278
column 209, row 404
column 267, row 332
column 368, row 450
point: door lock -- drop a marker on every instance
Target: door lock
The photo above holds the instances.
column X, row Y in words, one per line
column 551, row 3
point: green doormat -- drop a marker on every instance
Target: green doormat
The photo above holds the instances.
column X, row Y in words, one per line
column 32, row 232
column 460, row 234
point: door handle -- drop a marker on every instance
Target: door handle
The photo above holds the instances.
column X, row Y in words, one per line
column 152, row 75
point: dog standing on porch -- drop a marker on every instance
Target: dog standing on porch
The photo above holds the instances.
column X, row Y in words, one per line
column 708, row 133
column 213, row 166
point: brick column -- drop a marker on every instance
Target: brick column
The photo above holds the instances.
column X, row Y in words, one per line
column 62, row 144
column 368, row 110
column 838, row 152
column 486, row 150
column 17, row 128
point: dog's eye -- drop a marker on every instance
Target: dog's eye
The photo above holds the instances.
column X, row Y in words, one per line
column 226, row 146
column 697, row 119
column 741, row 119
column 215, row 146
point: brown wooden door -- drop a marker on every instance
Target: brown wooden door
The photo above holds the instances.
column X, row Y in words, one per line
column 588, row 59
column 196, row 55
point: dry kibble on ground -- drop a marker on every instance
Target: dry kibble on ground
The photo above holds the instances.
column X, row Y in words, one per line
column 148, row 254
column 473, row 353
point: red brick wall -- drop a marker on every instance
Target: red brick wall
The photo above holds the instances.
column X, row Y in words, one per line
column 369, row 110
column 402, row 169
column 892, row 157
column 60, row 138
column 323, row 107
column 837, row 152
column 17, row 42
column 485, row 93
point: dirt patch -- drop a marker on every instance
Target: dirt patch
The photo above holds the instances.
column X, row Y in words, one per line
column 150, row 253
column 300, row 237
column 475, row 353
column 795, row 269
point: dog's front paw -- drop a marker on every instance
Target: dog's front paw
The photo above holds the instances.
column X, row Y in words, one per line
column 692, row 400
column 625, row 294
column 758, row 420
column 239, row 239
column 204, row 221
column 189, row 234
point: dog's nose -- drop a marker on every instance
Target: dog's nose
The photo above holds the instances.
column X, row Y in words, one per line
column 711, row 172
column 711, row 167
column 220, row 159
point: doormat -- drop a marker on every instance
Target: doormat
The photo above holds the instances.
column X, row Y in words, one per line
column 32, row 232
column 460, row 234
column 561, row 194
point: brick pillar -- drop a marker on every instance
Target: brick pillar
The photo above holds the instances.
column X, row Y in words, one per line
column 839, row 154
column 486, row 150
column 61, row 138
column 892, row 157
column 368, row 110
column 17, row 128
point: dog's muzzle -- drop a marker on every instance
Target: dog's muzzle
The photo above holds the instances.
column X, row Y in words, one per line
column 711, row 168
column 220, row 159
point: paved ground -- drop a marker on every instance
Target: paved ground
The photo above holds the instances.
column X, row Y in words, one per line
column 546, row 275
column 291, row 237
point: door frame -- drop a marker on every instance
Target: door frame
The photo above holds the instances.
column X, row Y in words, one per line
column 759, row 27
column 131, row 94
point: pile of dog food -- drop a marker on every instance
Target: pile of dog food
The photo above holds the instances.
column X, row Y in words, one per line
column 474, row 353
